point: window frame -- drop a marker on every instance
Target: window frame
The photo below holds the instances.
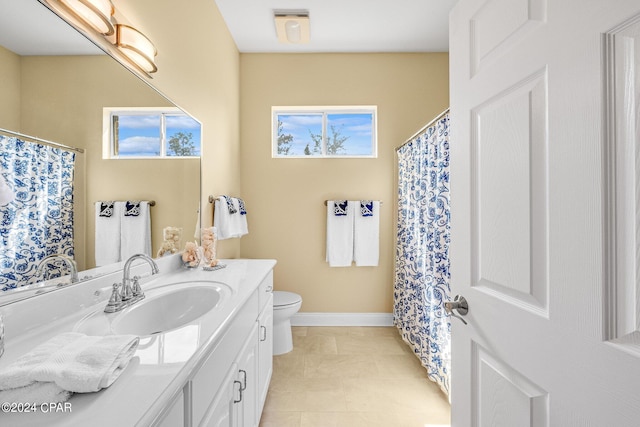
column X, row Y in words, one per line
column 324, row 111
column 108, row 137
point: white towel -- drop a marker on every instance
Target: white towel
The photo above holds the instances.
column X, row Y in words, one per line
column 36, row 393
column 108, row 235
column 240, row 225
column 229, row 225
column 339, row 236
column 366, row 240
column 74, row 362
column 135, row 231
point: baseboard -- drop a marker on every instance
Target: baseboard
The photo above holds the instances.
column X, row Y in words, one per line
column 342, row 319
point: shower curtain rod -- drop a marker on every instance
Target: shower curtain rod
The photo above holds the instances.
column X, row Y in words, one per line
column 42, row 141
column 438, row 117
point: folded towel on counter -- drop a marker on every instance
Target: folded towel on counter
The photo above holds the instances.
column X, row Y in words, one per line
column 135, row 229
column 366, row 231
column 108, row 217
column 36, row 393
column 230, row 217
column 340, row 233
column 72, row 361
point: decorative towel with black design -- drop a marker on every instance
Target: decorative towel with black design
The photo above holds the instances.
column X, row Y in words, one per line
column 230, row 206
column 227, row 221
column 340, row 207
column 106, row 209
column 132, row 208
column 366, row 207
column 135, row 229
column 243, row 211
column 108, row 218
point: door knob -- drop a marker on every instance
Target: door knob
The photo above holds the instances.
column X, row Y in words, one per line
column 458, row 304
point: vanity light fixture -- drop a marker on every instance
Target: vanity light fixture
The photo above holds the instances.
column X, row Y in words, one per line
column 94, row 13
column 292, row 27
column 136, row 47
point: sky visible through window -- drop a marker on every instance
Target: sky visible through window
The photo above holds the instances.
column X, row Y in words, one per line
column 139, row 135
column 355, row 127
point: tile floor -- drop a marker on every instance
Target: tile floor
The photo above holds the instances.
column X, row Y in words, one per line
column 352, row 377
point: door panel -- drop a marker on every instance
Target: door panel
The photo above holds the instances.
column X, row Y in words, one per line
column 541, row 213
column 509, row 216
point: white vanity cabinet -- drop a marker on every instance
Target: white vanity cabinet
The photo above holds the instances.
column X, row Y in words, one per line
column 229, row 387
column 235, row 403
column 265, row 352
column 246, row 383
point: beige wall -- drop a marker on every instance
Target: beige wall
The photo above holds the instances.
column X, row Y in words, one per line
column 285, row 197
column 198, row 66
column 10, row 90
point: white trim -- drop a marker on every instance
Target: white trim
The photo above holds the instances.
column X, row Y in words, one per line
column 342, row 319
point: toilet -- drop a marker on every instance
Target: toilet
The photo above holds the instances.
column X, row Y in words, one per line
column 285, row 305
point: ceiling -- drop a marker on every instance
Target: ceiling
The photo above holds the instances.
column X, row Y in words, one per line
column 343, row 25
column 336, row 26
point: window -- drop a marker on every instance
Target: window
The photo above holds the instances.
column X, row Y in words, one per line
column 150, row 133
column 320, row 132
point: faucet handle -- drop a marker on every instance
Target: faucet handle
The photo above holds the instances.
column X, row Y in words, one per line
column 115, row 300
column 136, row 290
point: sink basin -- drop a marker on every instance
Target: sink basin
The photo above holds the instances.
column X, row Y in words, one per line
column 164, row 308
column 167, row 311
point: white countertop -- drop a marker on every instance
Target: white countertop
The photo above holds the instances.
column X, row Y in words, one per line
column 162, row 364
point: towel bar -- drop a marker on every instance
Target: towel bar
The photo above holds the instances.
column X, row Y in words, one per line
column 326, row 201
column 151, row 202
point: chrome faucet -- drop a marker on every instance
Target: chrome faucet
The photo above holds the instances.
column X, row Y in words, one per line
column 70, row 263
column 130, row 292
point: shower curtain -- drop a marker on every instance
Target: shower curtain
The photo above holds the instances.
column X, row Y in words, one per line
column 422, row 252
column 39, row 221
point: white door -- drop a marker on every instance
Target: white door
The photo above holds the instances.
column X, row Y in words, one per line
column 545, row 97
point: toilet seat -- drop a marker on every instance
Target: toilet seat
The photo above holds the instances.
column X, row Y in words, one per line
column 283, row 299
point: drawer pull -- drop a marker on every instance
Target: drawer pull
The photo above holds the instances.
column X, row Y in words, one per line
column 240, row 391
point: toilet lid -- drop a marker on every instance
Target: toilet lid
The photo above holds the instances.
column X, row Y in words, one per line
column 282, row 298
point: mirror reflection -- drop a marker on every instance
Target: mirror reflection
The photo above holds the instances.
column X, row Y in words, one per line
column 66, row 92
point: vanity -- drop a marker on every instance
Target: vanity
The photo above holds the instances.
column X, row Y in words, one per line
column 205, row 352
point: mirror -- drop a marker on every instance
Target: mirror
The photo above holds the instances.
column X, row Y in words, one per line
column 60, row 97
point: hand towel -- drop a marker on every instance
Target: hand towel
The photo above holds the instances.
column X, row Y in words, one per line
column 366, row 232
column 108, row 217
column 72, row 361
column 229, row 225
column 340, row 234
column 135, row 229
column 239, row 224
column 36, row 393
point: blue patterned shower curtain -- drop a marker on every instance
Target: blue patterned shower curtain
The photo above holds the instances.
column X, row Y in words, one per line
column 422, row 252
column 39, row 221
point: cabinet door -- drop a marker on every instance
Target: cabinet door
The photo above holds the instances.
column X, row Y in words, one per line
column 247, row 377
column 220, row 413
column 175, row 415
column 265, row 354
